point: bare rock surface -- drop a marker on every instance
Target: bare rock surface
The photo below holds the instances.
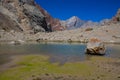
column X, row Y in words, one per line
column 25, row 14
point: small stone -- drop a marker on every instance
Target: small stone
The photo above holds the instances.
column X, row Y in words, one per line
column 58, row 78
column 69, row 76
column 38, row 78
column 109, row 70
column 33, row 79
column 47, row 74
column 118, row 76
column 98, row 77
column 102, row 75
column 33, row 75
column 98, row 66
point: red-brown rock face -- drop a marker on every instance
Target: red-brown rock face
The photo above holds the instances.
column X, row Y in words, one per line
column 54, row 23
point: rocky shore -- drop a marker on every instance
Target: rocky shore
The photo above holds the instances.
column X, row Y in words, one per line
column 108, row 33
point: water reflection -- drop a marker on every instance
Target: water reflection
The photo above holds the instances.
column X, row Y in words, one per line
column 58, row 52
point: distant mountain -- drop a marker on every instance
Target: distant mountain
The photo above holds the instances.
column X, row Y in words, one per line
column 73, row 23
column 90, row 24
column 105, row 22
column 116, row 18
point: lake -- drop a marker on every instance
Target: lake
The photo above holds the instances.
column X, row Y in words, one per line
column 58, row 52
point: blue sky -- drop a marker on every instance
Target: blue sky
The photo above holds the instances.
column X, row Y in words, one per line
column 94, row 10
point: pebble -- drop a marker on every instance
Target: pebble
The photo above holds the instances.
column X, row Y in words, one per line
column 118, row 76
column 47, row 74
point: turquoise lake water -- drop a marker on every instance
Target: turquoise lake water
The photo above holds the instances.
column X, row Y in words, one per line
column 58, row 52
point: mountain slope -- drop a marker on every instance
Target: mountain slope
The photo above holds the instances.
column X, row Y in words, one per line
column 7, row 24
column 28, row 16
column 52, row 22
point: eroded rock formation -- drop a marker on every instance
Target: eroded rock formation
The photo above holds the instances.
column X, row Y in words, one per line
column 27, row 15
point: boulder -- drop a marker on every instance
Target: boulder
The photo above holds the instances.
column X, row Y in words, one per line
column 95, row 47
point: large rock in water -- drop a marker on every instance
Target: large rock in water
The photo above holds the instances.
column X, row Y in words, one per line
column 95, row 47
column 24, row 15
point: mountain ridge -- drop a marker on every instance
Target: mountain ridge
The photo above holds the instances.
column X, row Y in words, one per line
column 75, row 22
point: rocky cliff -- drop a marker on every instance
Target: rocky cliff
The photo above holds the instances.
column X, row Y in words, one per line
column 26, row 16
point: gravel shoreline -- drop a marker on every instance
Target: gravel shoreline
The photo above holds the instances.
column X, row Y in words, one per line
column 107, row 34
